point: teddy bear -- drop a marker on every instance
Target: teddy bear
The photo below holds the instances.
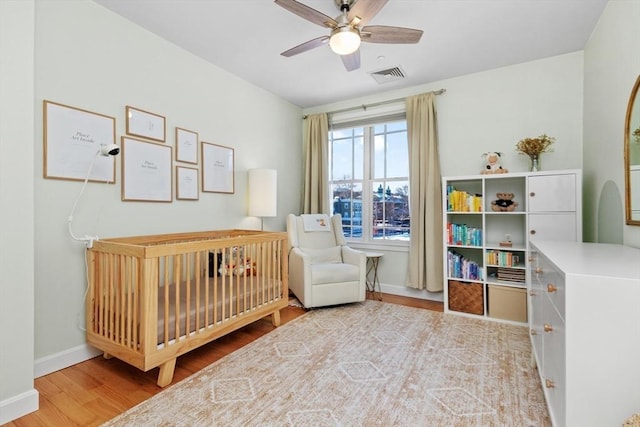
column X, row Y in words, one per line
column 493, row 163
column 504, row 203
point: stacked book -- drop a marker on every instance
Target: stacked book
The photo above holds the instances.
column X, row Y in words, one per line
column 511, row 274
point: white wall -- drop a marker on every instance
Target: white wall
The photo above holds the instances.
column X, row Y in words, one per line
column 88, row 57
column 491, row 111
column 17, row 394
column 612, row 64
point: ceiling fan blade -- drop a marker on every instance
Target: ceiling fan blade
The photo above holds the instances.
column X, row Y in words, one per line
column 366, row 10
column 394, row 35
column 352, row 61
column 307, row 13
column 311, row 44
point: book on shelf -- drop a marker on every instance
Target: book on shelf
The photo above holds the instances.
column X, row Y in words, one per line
column 462, row 201
column 503, row 258
column 463, row 235
column 460, row 267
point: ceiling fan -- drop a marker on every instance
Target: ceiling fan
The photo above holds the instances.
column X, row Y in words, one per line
column 348, row 30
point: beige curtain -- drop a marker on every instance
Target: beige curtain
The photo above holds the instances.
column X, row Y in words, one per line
column 425, row 269
column 315, row 196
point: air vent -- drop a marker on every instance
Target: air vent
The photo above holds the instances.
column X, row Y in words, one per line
column 388, row 75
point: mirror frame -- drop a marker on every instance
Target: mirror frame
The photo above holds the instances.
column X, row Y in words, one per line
column 627, row 155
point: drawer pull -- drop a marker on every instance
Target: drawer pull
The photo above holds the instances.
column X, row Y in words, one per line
column 532, row 232
column 551, row 287
column 549, row 383
column 538, row 270
column 532, row 194
column 532, row 293
column 533, row 332
column 548, row 327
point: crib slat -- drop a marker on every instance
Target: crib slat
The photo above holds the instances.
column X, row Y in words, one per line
column 136, row 283
column 196, row 268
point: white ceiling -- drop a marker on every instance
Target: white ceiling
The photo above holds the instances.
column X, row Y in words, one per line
column 246, row 37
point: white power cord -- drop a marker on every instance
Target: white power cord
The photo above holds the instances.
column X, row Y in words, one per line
column 105, row 150
column 87, row 240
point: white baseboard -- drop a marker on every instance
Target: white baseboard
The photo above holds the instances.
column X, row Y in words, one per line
column 18, row 406
column 64, row 359
column 411, row 292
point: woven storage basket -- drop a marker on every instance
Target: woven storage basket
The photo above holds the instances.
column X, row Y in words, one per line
column 466, row 297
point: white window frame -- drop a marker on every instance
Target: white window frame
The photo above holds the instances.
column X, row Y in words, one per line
column 393, row 114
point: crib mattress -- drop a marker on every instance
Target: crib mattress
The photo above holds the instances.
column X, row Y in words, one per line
column 221, row 301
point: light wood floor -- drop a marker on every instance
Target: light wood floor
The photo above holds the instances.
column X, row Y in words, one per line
column 94, row 391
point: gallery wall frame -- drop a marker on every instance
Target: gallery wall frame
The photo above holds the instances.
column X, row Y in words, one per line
column 72, row 138
column 145, row 124
column 186, row 146
column 217, row 168
column 146, row 171
column 187, row 183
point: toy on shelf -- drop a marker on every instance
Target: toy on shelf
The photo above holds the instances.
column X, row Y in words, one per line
column 504, row 203
column 493, row 163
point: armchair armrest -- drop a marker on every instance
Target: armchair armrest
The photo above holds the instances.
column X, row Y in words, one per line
column 352, row 256
column 358, row 258
column 300, row 274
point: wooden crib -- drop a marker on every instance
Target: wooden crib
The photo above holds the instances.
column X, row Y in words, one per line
column 154, row 298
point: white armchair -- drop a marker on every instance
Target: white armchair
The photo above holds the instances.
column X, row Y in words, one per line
column 323, row 270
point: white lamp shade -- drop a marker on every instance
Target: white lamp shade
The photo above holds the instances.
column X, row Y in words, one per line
column 344, row 40
column 263, row 192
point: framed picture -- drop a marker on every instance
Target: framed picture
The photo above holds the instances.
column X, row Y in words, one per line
column 145, row 124
column 186, row 146
column 217, row 168
column 72, row 140
column 146, row 171
column 186, row 183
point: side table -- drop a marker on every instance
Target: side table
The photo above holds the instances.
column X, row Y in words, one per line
column 373, row 258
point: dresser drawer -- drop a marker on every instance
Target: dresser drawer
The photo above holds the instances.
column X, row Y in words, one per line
column 551, row 282
column 553, row 374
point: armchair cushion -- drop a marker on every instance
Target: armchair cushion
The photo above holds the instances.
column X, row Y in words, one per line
column 334, row 273
column 331, row 255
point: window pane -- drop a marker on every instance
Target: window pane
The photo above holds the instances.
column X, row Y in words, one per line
column 340, row 133
column 391, row 218
column 397, row 155
column 341, row 160
column 358, row 158
column 347, row 201
column 379, row 157
column 395, row 126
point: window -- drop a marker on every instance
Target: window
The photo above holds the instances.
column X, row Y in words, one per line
column 369, row 181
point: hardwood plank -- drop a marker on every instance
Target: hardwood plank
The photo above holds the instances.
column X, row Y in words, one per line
column 96, row 390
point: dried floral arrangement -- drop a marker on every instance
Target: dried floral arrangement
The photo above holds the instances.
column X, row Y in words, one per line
column 532, row 147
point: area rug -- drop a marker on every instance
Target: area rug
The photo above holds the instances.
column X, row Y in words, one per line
column 365, row 364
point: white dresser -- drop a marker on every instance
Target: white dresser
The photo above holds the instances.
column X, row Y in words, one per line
column 585, row 330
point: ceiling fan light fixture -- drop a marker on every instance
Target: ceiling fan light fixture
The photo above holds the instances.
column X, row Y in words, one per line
column 345, row 40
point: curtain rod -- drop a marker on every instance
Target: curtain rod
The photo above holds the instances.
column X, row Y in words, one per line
column 376, row 104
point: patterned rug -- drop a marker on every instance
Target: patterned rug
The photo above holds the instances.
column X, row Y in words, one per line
column 365, row 364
